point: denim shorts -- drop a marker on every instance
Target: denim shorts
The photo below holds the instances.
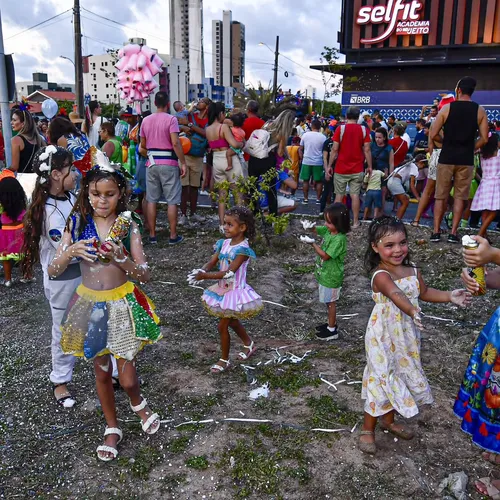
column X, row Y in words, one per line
column 373, row 197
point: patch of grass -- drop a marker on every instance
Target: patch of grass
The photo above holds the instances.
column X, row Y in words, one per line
column 327, row 411
column 170, row 483
column 144, row 461
column 200, row 462
column 256, row 468
column 351, row 357
column 196, row 408
column 290, row 378
column 268, row 405
column 306, row 269
column 178, row 445
column 186, row 356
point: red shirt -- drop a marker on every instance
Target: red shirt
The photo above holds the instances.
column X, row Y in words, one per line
column 199, row 122
column 400, row 147
column 351, row 158
column 249, row 125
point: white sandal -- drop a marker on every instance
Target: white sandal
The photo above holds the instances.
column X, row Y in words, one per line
column 148, row 426
column 218, row 368
column 109, row 449
column 251, row 351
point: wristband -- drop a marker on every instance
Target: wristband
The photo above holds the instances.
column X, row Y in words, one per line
column 120, row 261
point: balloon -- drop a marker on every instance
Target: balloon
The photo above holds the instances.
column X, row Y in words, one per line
column 50, row 108
column 186, row 144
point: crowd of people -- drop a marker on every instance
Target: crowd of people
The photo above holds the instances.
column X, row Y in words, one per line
column 77, row 224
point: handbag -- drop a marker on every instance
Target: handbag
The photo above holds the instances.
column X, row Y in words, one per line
column 198, row 142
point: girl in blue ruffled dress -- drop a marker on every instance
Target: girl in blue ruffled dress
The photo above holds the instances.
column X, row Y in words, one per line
column 231, row 299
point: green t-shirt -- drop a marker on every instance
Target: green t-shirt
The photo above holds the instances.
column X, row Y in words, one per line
column 330, row 273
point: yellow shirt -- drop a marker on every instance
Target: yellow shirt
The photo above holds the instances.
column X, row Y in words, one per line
column 374, row 182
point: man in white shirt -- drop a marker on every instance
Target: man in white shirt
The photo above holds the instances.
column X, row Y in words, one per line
column 311, row 154
column 381, row 122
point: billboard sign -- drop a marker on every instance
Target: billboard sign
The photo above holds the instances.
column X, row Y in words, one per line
column 401, row 18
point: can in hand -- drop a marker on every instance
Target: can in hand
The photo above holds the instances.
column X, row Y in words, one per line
column 477, row 273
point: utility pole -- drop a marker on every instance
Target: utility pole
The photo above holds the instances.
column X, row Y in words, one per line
column 78, row 58
column 4, row 102
column 275, row 83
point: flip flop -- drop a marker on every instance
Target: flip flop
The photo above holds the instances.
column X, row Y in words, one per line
column 486, row 487
column 402, row 433
column 65, row 399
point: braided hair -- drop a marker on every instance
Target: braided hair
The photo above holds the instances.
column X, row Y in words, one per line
column 244, row 216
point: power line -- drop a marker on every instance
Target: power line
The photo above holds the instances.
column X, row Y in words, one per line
column 39, row 24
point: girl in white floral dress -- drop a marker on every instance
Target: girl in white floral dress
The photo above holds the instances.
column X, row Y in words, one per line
column 393, row 380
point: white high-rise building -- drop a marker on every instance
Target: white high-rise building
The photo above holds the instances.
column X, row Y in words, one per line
column 228, row 42
column 186, row 36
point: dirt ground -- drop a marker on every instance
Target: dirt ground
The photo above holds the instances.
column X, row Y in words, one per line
column 49, row 452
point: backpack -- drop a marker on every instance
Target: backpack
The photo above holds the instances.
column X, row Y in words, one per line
column 258, row 144
column 342, row 132
column 198, row 142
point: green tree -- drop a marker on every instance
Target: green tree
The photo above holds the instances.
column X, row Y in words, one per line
column 66, row 105
column 264, row 96
column 335, row 79
column 110, row 110
column 327, row 108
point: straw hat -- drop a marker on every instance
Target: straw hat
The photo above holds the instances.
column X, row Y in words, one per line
column 75, row 117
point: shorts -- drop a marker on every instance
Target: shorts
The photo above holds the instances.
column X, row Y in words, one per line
column 194, row 168
column 316, row 171
column 433, row 163
column 458, row 176
column 327, row 295
column 373, row 197
column 285, row 201
column 140, row 175
column 220, row 173
column 395, row 186
column 354, row 181
column 163, row 181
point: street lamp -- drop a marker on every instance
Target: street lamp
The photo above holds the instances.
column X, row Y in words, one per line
column 70, row 60
column 276, row 54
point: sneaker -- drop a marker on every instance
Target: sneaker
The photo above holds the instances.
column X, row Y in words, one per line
column 152, row 240
column 318, row 202
column 174, row 241
column 8, row 283
column 305, row 202
column 435, row 237
column 326, row 334
column 453, row 238
column 321, row 327
column 204, row 193
column 197, row 218
column 182, row 221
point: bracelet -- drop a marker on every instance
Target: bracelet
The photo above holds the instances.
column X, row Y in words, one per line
column 120, row 261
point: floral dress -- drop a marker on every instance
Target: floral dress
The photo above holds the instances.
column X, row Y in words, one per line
column 393, row 378
column 234, row 297
column 478, row 400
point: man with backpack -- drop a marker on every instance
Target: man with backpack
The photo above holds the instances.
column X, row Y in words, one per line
column 351, row 149
column 311, row 154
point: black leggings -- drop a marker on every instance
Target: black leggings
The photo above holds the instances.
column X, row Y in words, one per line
column 258, row 167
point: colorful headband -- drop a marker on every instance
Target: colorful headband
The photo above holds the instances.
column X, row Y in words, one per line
column 24, row 104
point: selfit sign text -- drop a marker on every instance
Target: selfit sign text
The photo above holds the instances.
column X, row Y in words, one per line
column 402, row 18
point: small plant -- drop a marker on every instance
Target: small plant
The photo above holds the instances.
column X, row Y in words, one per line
column 144, row 461
column 326, row 411
column 199, row 462
column 178, row 445
column 290, row 378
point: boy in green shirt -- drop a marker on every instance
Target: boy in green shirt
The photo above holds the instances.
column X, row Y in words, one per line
column 330, row 262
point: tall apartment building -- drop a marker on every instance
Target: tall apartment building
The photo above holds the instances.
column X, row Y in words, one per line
column 186, row 36
column 228, row 42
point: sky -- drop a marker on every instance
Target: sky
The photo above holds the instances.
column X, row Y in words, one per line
column 303, row 27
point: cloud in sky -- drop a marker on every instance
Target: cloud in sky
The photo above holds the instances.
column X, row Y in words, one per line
column 304, row 28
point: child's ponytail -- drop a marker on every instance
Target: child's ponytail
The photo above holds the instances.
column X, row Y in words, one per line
column 46, row 160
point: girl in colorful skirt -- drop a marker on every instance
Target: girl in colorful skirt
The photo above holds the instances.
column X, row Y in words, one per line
column 231, row 299
column 12, row 210
column 393, row 380
column 108, row 314
column 478, row 400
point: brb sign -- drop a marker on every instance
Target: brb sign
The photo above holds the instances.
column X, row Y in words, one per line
column 402, row 18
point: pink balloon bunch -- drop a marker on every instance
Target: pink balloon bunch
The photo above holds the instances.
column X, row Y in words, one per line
column 137, row 66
